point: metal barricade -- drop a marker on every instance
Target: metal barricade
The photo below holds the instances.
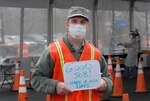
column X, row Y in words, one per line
column 6, row 68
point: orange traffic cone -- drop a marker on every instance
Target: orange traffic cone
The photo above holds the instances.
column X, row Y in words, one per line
column 118, row 85
column 25, row 50
column 48, row 96
column 16, row 77
column 22, row 95
column 110, row 68
column 31, row 69
column 140, row 84
column 125, row 97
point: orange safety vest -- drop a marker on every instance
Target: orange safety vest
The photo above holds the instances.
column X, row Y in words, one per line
column 61, row 54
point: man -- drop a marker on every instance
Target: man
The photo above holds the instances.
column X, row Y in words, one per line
column 48, row 72
column 133, row 48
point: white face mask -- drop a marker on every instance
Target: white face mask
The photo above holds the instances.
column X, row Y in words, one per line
column 77, row 31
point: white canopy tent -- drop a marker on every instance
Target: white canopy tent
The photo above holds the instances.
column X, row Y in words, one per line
column 40, row 22
column 98, row 8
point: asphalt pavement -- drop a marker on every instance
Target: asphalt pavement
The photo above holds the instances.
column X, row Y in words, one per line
column 129, row 85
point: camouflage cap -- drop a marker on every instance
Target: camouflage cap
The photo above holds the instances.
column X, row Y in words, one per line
column 78, row 11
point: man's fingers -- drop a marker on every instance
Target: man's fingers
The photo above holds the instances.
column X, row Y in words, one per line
column 62, row 89
column 68, row 89
column 102, row 86
column 63, row 92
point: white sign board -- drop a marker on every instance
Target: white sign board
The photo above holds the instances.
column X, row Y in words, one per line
column 82, row 75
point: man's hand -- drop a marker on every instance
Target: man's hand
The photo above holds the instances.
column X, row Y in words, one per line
column 62, row 89
column 102, row 87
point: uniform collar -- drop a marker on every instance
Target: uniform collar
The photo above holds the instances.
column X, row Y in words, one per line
column 70, row 46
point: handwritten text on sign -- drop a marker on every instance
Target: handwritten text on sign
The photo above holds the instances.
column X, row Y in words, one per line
column 82, row 75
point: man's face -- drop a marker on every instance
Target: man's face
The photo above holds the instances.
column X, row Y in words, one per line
column 77, row 27
column 77, row 20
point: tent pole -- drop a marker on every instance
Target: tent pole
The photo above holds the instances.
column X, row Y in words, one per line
column 95, row 23
column 2, row 25
column 21, row 35
column 131, row 15
column 50, row 23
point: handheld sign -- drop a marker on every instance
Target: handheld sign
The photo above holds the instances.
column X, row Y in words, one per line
column 82, row 75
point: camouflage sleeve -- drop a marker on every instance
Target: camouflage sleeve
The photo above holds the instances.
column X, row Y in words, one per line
column 41, row 78
column 106, row 76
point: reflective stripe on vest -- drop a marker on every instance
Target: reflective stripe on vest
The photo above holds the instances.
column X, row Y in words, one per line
column 61, row 54
column 92, row 58
column 62, row 64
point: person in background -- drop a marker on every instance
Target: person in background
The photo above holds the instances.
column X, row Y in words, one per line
column 48, row 75
column 133, row 49
column 139, row 43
